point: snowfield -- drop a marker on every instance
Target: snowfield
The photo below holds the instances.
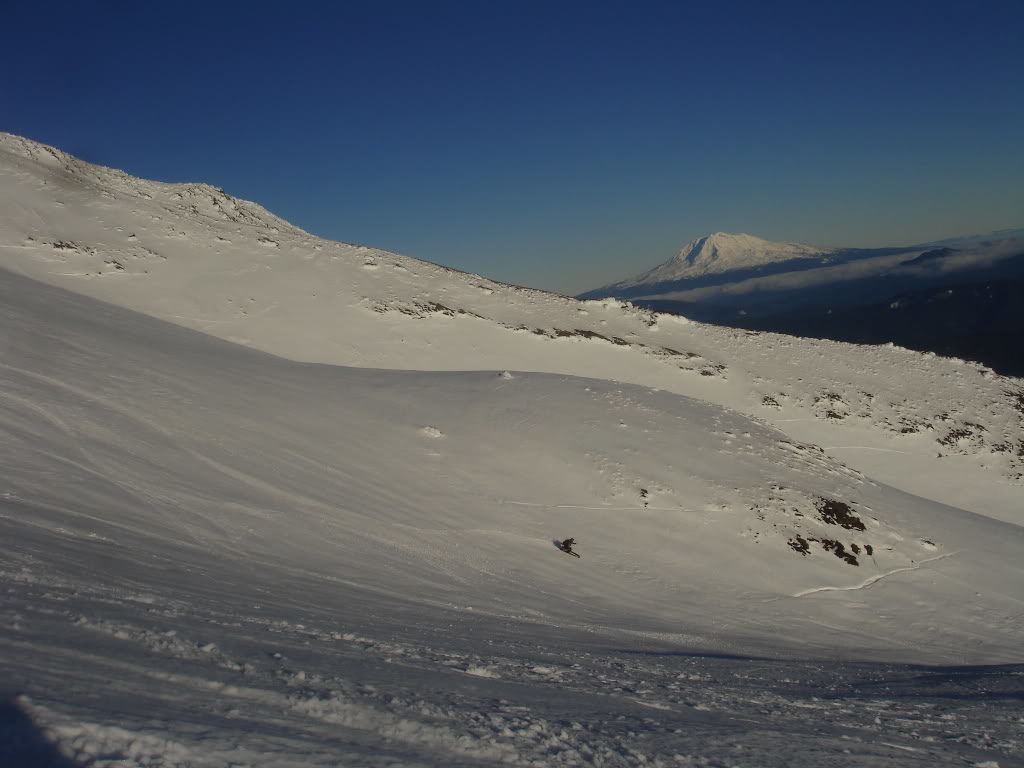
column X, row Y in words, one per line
column 193, row 255
column 270, row 500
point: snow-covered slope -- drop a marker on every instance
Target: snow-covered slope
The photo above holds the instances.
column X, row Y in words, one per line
column 448, row 488
column 217, row 556
column 199, row 258
column 719, row 253
column 213, row 556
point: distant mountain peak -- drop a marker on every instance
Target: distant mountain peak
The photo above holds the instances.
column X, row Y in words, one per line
column 723, row 252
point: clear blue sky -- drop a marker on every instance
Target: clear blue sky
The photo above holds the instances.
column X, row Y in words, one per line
column 560, row 145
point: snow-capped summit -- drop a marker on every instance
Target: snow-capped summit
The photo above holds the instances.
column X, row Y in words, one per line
column 723, row 252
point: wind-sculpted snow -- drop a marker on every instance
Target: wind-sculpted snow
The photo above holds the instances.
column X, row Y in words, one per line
column 252, row 279
column 120, row 239
column 253, row 674
column 130, row 434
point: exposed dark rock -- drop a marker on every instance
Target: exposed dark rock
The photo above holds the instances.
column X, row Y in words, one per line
column 800, row 544
column 837, row 549
column 837, row 513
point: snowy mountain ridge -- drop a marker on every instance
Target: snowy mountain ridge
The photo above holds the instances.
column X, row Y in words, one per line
column 190, row 199
column 292, row 294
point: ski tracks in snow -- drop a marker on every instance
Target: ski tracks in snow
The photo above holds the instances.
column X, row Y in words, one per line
column 873, row 579
column 155, row 682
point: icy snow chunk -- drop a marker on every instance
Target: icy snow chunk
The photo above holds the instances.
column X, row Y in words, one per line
column 429, row 431
column 478, row 671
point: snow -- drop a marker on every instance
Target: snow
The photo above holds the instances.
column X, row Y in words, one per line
column 130, row 242
column 333, row 544
column 844, row 267
column 719, row 253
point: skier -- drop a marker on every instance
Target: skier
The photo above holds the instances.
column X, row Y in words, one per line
column 567, row 546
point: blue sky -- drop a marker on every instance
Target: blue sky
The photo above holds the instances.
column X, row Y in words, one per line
column 560, row 145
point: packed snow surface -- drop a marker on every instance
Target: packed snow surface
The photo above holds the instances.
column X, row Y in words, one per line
column 334, row 543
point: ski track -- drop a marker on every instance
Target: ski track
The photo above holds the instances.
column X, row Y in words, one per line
column 874, row 579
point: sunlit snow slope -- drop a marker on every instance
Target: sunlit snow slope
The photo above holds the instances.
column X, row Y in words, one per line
column 195, row 256
column 138, row 452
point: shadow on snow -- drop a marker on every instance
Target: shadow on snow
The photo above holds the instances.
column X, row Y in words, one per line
column 23, row 744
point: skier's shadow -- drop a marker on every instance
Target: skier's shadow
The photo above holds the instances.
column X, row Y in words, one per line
column 23, row 743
